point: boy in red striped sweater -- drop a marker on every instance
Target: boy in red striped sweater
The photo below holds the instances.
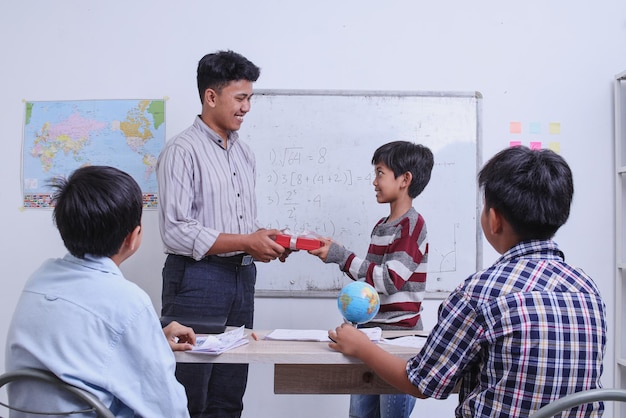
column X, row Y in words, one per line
column 396, row 259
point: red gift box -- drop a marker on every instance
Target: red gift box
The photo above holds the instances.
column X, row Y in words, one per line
column 298, row 243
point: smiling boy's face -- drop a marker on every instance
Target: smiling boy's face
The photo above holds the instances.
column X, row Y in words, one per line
column 386, row 185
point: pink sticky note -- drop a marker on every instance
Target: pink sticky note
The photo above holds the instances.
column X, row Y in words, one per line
column 515, row 143
column 535, row 145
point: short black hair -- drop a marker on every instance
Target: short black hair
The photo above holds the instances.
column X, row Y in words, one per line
column 217, row 69
column 95, row 209
column 532, row 189
column 404, row 156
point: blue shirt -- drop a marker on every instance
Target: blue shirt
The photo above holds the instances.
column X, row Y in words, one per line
column 82, row 320
column 528, row 330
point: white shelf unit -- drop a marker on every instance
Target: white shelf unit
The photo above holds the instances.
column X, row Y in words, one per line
column 619, row 98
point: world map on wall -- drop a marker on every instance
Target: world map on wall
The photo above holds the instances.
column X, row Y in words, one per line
column 61, row 136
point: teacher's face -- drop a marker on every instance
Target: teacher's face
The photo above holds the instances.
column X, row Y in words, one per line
column 231, row 105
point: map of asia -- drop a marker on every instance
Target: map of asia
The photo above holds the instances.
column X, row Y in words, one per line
column 61, row 136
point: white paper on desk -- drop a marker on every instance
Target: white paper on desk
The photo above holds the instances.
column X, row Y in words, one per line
column 408, row 341
column 217, row 344
column 374, row 334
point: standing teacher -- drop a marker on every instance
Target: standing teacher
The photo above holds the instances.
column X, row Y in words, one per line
column 209, row 227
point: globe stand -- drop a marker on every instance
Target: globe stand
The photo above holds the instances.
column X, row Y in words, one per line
column 354, row 324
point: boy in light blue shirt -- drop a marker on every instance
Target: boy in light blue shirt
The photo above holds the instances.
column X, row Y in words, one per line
column 79, row 318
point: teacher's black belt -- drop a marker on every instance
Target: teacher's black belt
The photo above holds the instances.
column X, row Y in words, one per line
column 238, row 260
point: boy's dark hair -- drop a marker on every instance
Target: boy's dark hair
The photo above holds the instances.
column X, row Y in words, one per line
column 533, row 190
column 95, row 209
column 404, row 156
column 217, row 69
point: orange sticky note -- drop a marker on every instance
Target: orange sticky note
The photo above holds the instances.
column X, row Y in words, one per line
column 515, row 127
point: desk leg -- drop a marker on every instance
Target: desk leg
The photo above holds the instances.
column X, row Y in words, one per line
column 328, row 379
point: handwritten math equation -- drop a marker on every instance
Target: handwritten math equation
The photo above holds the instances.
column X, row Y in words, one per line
column 303, row 189
column 293, row 166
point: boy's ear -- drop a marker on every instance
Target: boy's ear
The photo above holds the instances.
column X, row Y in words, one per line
column 129, row 246
column 133, row 240
column 495, row 221
column 407, row 177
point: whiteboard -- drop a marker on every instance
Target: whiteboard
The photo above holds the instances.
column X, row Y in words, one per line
column 314, row 174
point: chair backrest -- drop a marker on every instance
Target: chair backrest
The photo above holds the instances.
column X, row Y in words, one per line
column 579, row 398
column 91, row 402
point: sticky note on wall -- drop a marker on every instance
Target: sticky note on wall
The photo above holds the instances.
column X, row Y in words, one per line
column 554, row 128
column 555, row 146
column 534, row 128
column 515, row 127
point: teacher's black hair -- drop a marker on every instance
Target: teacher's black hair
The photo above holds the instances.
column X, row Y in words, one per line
column 217, row 69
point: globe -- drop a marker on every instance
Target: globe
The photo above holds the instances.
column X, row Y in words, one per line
column 358, row 302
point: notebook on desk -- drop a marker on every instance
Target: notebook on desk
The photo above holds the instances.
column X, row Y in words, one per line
column 374, row 334
column 200, row 325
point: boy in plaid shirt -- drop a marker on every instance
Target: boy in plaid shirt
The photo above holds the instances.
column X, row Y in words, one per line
column 526, row 331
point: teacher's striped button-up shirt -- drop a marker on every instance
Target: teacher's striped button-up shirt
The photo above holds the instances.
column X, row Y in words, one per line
column 204, row 190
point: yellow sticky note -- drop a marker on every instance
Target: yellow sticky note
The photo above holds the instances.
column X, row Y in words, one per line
column 554, row 128
column 555, row 146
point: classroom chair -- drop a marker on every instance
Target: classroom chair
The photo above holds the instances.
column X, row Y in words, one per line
column 91, row 402
column 580, row 398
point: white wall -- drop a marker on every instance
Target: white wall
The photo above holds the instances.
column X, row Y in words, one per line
column 533, row 61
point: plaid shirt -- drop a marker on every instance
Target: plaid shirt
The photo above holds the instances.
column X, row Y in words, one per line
column 528, row 330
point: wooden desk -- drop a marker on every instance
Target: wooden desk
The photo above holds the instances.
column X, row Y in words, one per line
column 307, row 367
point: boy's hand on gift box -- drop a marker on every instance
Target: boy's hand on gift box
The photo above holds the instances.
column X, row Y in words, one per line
column 322, row 252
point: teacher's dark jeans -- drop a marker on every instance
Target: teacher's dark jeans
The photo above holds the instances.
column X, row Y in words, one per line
column 210, row 288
